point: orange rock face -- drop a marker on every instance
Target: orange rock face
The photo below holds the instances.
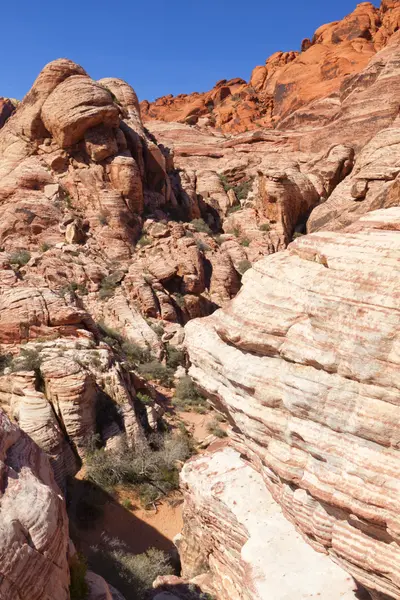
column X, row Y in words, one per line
column 289, row 80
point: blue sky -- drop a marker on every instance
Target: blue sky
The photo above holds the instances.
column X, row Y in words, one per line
column 158, row 46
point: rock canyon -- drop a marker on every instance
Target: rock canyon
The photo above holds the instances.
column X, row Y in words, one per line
column 234, row 252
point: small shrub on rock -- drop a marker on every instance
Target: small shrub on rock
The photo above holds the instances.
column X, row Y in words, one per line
column 186, row 395
column 20, row 258
column 78, row 588
column 245, row 242
column 175, row 357
column 265, row 227
column 214, row 428
column 132, row 574
column 154, row 370
column 107, row 287
column 244, row 266
column 201, row 226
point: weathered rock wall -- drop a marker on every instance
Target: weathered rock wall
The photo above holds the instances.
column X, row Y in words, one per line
column 305, row 363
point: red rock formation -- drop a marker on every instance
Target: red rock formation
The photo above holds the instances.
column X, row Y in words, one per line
column 33, row 522
column 288, row 81
column 305, row 363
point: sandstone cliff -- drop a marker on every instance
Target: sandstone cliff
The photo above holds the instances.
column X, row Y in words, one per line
column 292, row 88
column 304, row 362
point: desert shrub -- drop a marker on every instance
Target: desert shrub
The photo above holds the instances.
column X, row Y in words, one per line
column 225, row 183
column 265, row 227
column 186, row 396
column 126, row 503
column 296, row 235
column 158, row 329
column 154, row 370
column 78, row 588
column 5, row 361
column 201, row 226
column 179, row 299
column 202, row 245
column 20, row 257
column 245, row 242
column 233, row 209
column 135, row 353
column 214, row 428
column 236, row 231
column 45, row 246
column 111, row 334
column 144, row 398
column 244, row 266
column 145, row 240
column 242, row 189
column 28, row 360
column 108, row 286
column 175, row 357
column 103, row 218
column 132, row 574
column 152, row 469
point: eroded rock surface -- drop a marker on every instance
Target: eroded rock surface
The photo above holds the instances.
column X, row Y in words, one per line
column 305, row 363
column 234, row 529
column 33, row 522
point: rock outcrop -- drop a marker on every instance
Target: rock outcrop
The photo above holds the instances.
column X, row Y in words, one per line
column 236, row 532
column 33, row 522
column 292, row 87
column 305, row 364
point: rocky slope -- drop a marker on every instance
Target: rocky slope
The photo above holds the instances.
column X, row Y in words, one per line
column 292, row 88
column 305, row 363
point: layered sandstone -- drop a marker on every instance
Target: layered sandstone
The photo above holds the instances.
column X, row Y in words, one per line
column 33, row 522
column 236, row 532
column 304, row 362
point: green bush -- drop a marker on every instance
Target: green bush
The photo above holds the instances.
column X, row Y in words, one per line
column 145, row 240
column 132, row 574
column 108, row 286
column 202, row 246
column 186, row 396
column 28, row 360
column 150, row 469
column 179, row 299
column 20, row 257
column 244, row 266
column 103, row 218
column 78, row 588
column 126, row 503
column 233, row 209
column 5, row 361
column 245, row 242
column 297, row 234
column 135, row 353
column 45, row 246
column 214, row 428
column 158, row 329
column 154, row 370
column 265, row 227
column 201, row 226
column 175, row 357
column 144, row 398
